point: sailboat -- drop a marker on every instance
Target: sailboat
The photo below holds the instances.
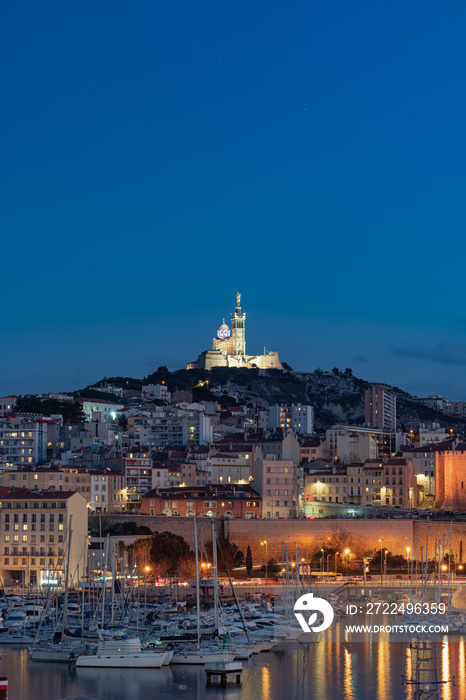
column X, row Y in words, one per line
column 122, row 653
column 57, row 651
column 202, row 654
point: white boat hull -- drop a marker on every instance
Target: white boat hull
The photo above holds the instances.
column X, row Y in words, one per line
column 53, row 655
column 143, row 659
column 201, row 658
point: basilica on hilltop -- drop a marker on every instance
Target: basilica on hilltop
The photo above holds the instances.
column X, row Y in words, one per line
column 229, row 347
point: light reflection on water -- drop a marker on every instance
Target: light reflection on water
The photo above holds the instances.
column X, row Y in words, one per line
column 317, row 671
column 461, row 689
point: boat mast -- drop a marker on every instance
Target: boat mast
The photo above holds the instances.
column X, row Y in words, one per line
column 104, row 580
column 197, row 586
column 67, row 573
column 214, row 566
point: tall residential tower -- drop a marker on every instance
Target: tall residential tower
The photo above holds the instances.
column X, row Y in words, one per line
column 380, row 408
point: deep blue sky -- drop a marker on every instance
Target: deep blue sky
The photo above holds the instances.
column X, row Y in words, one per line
column 157, row 158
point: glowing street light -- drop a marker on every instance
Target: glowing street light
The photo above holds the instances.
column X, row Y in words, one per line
column 264, row 544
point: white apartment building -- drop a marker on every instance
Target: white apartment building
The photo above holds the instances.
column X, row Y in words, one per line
column 433, row 433
column 171, row 426
column 107, row 411
column 99, row 501
column 160, row 477
column 22, row 440
column 156, row 391
column 298, row 417
column 108, row 491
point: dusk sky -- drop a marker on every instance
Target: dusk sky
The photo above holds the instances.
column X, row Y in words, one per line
column 157, row 158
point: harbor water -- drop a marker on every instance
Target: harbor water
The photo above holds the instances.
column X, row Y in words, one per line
column 367, row 670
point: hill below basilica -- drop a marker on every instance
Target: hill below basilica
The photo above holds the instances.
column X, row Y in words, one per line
column 337, row 397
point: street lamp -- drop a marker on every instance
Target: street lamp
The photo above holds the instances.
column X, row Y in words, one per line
column 264, row 544
column 336, row 562
column 206, row 568
column 408, row 549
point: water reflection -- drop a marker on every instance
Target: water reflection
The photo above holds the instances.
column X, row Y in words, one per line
column 445, row 670
column 348, row 676
column 461, row 690
column 312, row 671
column 409, row 673
column 265, row 683
column 383, row 667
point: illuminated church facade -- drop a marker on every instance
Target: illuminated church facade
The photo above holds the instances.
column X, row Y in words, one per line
column 229, row 347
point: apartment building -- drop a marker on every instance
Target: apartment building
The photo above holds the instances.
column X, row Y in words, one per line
column 281, row 445
column 297, row 417
column 380, row 408
column 354, row 443
column 432, row 433
column 34, row 534
column 232, row 466
column 329, row 485
column 138, row 472
column 87, row 435
column 108, row 491
column 277, row 482
column 356, row 484
column 23, row 440
column 373, row 474
column 211, row 501
column 106, row 411
column 170, row 426
column 456, row 408
column 63, row 478
column 8, row 403
column 399, row 487
column 311, row 449
column 156, row 391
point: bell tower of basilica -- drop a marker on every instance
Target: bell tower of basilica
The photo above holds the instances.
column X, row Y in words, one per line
column 238, row 328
